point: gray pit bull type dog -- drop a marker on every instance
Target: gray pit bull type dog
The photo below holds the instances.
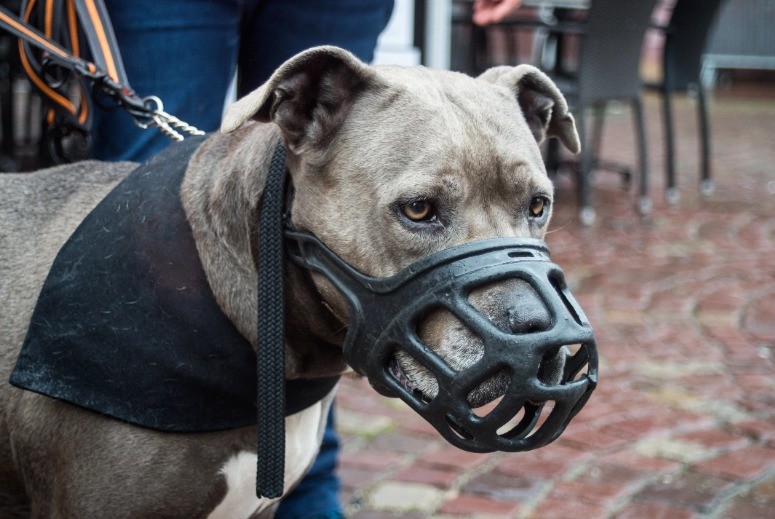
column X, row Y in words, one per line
column 389, row 165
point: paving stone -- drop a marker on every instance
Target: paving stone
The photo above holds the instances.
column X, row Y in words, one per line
column 565, row 509
column 466, row 505
column 758, row 502
column 679, row 450
column 742, row 509
column 418, row 426
column 553, row 460
column 504, row 488
column 450, row 457
column 357, row 478
column 715, row 438
column 640, row 462
column 591, row 439
column 372, row 514
column 397, row 442
column 376, row 460
column 745, row 464
column 404, row 497
column 695, row 491
column 654, row 511
column 604, row 494
column 419, row 473
column 764, row 491
column 659, row 424
column 758, row 429
column 365, row 425
column 672, row 370
column 604, row 474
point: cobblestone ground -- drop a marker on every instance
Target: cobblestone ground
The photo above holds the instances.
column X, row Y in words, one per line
column 682, row 424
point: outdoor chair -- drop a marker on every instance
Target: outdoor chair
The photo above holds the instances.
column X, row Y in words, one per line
column 686, row 36
column 609, row 52
column 610, row 36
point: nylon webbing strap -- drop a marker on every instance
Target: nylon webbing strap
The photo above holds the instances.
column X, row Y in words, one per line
column 95, row 22
column 107, row 76
column 271, row 333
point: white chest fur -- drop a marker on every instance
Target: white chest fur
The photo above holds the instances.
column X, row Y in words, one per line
column 303, row 433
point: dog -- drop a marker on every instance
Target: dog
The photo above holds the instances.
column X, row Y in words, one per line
column 389, row 165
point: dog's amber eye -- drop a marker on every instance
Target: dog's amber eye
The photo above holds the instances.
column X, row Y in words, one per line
column 538, row 205
column 419, row 210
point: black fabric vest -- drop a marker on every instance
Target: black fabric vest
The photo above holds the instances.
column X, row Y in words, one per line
column 126, row 323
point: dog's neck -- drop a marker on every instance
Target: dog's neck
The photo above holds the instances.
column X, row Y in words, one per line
column 221, row 195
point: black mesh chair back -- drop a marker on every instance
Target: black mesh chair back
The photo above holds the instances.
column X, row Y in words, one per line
column 685, row 41
column 609, row 69
column 610, row 49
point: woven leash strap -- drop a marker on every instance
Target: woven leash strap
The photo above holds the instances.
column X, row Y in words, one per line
column 271, row 333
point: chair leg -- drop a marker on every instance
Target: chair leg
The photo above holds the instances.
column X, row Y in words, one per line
column 586, row 210
column 672, row 194
column 706, row 184
column 595, row 139
column 552, row 157
column 480, row 45
column 644, row 202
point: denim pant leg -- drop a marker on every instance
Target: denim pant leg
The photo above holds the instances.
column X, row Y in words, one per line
column 277, row 29
column 184, row 52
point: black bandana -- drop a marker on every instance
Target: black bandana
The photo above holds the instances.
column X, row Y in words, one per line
column 126, row 323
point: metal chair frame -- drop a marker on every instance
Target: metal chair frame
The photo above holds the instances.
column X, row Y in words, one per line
column 686, row 36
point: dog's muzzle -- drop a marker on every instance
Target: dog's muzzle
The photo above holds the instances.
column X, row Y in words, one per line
column 385, row 313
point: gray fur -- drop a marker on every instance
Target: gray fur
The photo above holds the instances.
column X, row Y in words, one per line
column 362, row 139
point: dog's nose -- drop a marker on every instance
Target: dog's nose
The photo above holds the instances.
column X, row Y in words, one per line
column 526, row 313
column 513, row 306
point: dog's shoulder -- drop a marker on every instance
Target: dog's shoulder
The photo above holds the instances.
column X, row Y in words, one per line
column 29, row 201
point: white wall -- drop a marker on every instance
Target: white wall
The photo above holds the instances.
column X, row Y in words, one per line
column 395, row 44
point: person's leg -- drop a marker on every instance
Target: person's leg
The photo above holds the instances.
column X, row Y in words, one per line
column 184, row 52
column 274, row 32
column 278, row 29
column 317, row 495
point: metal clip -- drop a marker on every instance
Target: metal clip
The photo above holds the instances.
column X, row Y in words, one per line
column 168, row 124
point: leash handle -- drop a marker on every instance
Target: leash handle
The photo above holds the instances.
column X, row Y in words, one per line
column 271, row 332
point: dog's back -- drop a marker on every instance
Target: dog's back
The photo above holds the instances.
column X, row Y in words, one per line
column 38, row 212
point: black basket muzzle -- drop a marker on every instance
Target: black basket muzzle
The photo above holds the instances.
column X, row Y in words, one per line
column 384, row 314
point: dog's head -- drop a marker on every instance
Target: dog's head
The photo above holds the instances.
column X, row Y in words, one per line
column 392, row 164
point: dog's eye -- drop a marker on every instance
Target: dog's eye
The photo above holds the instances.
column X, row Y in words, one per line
column 419, row 211
column 538, row 206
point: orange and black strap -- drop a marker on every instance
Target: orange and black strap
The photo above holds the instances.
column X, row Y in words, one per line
column 64, row 21
column 95, row 23
column 54, row 51
column 59, row 42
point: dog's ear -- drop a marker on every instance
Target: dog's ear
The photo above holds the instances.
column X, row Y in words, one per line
column 308, row 97
column 543, row 106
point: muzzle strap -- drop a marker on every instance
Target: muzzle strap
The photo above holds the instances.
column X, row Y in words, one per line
column 271, row 333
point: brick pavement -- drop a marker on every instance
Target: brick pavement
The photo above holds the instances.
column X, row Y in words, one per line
column 682, row 424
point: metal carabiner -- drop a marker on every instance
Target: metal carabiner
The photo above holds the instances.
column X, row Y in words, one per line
column 168, row 124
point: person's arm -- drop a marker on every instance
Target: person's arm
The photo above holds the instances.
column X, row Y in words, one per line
column 493, row 11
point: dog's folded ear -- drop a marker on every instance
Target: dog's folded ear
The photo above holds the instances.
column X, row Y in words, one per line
column 308, row 97
column 543, row 105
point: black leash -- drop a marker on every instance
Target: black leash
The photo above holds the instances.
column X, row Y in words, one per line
column 271, row 333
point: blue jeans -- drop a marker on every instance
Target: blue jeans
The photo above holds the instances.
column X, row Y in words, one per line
column 186, row 52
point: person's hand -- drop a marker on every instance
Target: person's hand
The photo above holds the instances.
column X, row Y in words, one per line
column 493, row 11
